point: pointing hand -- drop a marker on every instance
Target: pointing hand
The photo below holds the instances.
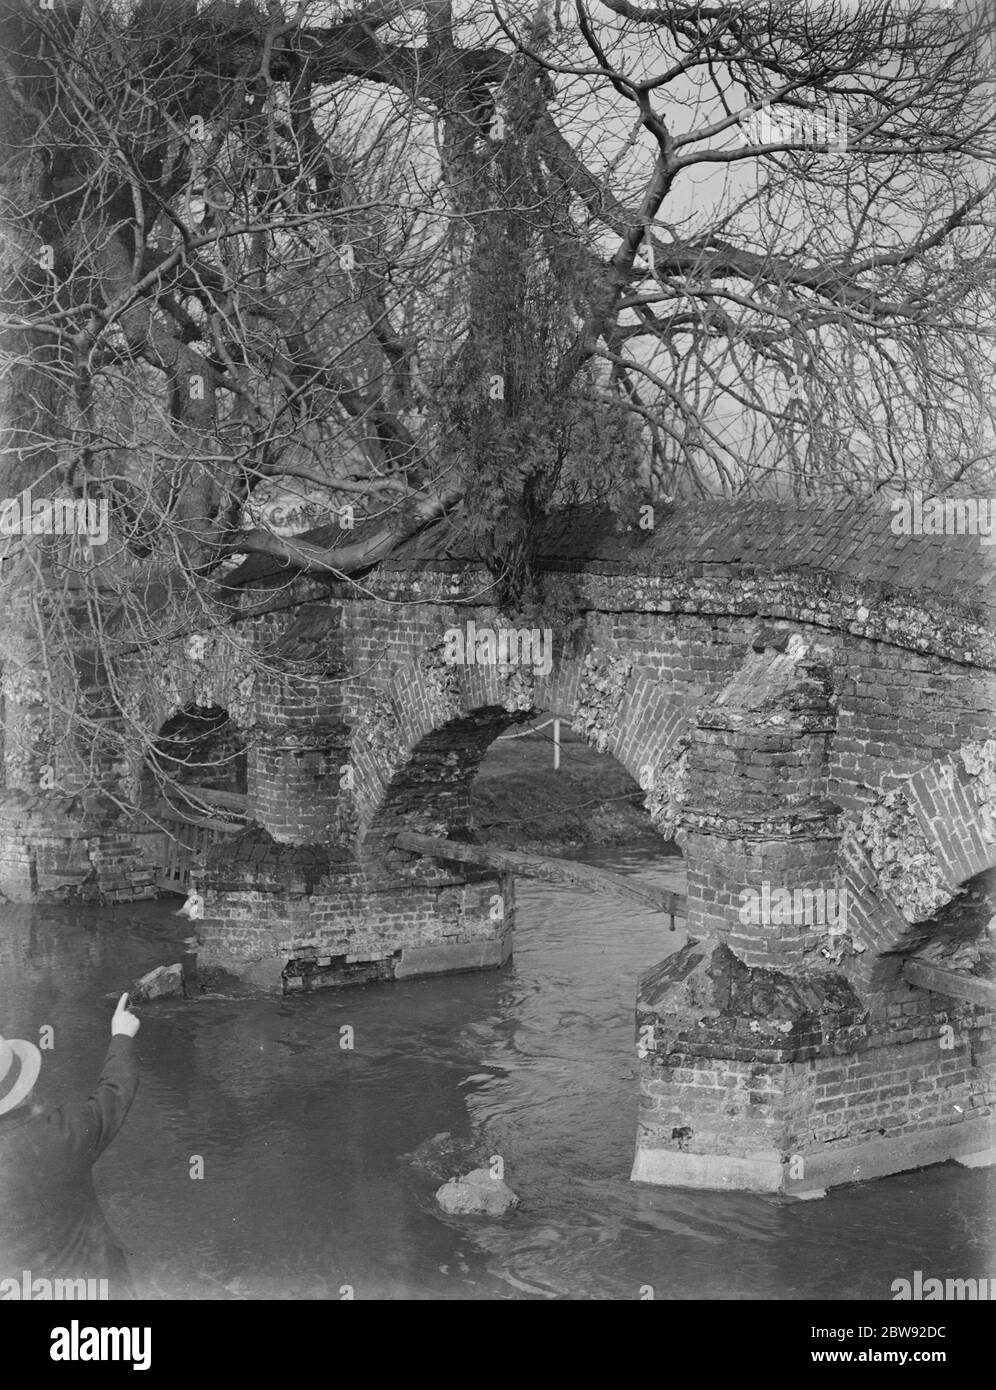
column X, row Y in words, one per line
column 124, row 1021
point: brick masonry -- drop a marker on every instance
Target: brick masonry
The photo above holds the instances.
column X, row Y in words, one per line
column 806, row 701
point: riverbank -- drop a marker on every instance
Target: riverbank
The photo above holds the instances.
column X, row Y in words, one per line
column 520, row 802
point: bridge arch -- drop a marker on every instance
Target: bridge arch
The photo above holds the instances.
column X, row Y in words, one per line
column 199, row 747
column 193, row 789
column 434, row 726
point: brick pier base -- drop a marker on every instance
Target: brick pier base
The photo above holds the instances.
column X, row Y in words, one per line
column 300, row 917
column 57, row 847
column 752, row 1079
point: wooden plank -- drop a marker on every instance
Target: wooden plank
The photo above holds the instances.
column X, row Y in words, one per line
column 238, row 801
column 551, row 870
column 171, row 885
column 175, row 821
column 175, row 814
column 950, row 982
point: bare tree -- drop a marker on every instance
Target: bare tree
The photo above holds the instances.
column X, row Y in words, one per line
column 265, row 268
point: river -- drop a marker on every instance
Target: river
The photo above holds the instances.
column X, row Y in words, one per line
column 312, row 1187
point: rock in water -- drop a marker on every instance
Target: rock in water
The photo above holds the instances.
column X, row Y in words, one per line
column 478, row 1194
column 193, row 907
column 446, row 1153
column 160, row 983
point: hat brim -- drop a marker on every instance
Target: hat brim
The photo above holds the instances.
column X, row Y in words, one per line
column 31, row 1059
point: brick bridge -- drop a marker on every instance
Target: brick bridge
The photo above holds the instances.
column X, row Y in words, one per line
column 806, row 700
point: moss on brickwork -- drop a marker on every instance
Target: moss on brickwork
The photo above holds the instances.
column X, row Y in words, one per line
column 908, row 870
column 519, row 694
column 666, row 793
column 379, row 729
column 442, row 680
column 704, row 1001
column 604, row 678
column 960, row 936
column 254, row 859
column 979, row 761
column 204, row 670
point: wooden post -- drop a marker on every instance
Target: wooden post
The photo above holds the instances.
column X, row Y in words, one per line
column 556, row 744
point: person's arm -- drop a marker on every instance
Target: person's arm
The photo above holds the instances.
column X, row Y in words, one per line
column 93, row 1123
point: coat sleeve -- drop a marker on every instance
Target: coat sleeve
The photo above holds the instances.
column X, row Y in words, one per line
column 90, row 1125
